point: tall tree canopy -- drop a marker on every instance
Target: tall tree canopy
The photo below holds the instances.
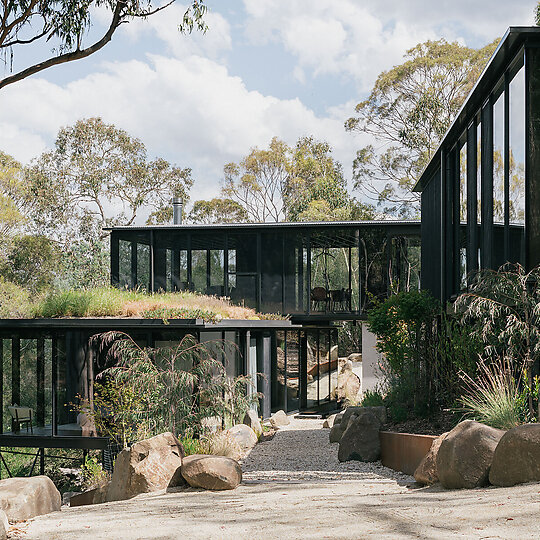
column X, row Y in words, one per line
column 407, row 112
column 97, row 176
column 282, row 183
column 65, row 24
column 217, row 210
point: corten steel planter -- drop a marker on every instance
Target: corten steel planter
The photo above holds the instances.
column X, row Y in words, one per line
column 404, row 451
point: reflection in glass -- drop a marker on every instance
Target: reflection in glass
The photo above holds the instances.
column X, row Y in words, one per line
column 143, row 267
column 463, row 183
column 479, row 173
column 405, row 264
column 517, row 148
column 293, row 371
column 313, row 368
column 124, row 267
column 498, row 160
column 198, row 270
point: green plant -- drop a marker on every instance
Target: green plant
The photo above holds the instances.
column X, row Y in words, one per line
column 176, row 387
column 191, row 445
column 221, row 443
column 14, row 301
column 493, row 397
column 93, row 473
column 502, row 308
column 166, row 313
column 372, row 398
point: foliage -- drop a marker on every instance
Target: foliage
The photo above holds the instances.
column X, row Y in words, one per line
column 166, row 313
column 218, row 211
column 97, row 176
column 220, row 443
column 177, row 386
column 372, row 398
column 304, row 183
column 93, row 473
column 191, row 445
column 113, row 302
column 31, row 262
column 494, row 398
column 424, row 350
column 65, row 24
column 502, row 309
column 408, row 111
column 14, row 301
column 537, row 14
column 85, row 265
column 11, row 180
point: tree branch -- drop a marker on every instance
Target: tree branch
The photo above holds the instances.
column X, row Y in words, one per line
column 75, row 55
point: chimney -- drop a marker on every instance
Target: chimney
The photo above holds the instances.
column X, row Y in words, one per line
column 177, row 206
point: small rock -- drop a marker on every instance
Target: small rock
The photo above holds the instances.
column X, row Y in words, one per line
column 517, row 457
column 96, row 495
column 329, row 422
column 426, row 472
column 148, row 465
column 25, row 498
column 243, row 435
column 465, row 455
column 4, row 525
column 67, row 496
column 355, row 357
column 279, row 419
column 211, row 472
column 360, row 441
column 335, row 433
column 252, row 420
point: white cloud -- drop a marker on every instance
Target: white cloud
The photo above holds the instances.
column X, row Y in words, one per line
column 191, row 111
column 360, row 39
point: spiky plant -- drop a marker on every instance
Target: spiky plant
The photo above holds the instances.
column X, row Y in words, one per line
column 503, row 309
column 179, row 386
column 493, row 397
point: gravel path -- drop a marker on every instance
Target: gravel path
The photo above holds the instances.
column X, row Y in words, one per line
column 302, row 452
column 295, row 488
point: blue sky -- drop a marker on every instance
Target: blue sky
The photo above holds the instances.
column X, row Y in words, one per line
column 265, row 68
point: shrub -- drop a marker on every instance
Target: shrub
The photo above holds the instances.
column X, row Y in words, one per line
column 372, row 398
column 221, row 443
column 14, row 301
column 93, row 474
column 493, row 397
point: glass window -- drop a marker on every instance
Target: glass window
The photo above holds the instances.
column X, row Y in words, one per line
column 463, row 183
column 498, row 160
column 143, row 267
column 124, row 269
column 517, row 148
column 479, row 173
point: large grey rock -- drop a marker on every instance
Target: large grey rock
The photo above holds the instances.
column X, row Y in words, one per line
column 426, row 472
column 335, row 433
column 149, row 465
column 25, row 498
column 379, row 412
column 211, row 472
column 360, row 441
column 517, row 457
column 244, row 436
column 4, row 525
column 252, row 420
column 279, row 419
column 465, row 455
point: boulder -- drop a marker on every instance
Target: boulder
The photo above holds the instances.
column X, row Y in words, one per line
column 426, row 472
column 335, row 433
column 4, row 525
column 348, row 385
column 333, row 354
column 96, row 495
column 329, row 421
column 149, row 465
column 379, row 412
column 252, row 420
column 355, row 357
column 244, row 436
column 360, row 441
column 517, row 457
column 279, row 419
column 25, row 498
column 211, row 472
column 465, row 455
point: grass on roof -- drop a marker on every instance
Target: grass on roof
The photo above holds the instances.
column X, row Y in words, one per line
column 111, row 302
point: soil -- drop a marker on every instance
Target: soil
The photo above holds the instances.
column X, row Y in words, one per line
column 436, row 425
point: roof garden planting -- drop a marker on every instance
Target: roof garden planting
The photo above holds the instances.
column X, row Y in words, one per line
column 112, row 302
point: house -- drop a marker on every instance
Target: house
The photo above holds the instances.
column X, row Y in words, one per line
column 480, row 192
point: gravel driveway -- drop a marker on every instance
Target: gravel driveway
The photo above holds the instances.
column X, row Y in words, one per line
column 294, row 487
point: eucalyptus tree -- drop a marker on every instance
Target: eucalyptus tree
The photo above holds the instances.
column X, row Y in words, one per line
column 407, row 113
column 97, row 176
column 218, row 210
column 503, row 309
column 62, row 28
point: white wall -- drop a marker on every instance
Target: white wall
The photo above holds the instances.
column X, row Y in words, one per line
column 370, row 360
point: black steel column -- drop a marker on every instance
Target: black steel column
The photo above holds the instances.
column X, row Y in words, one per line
column 506, row 167
column 189, row 261
column 442, row 223
column 115, row 260
column 532, row 157
column 308, row 271
column 54, row 386
column 1, row 386
column 40, row 379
